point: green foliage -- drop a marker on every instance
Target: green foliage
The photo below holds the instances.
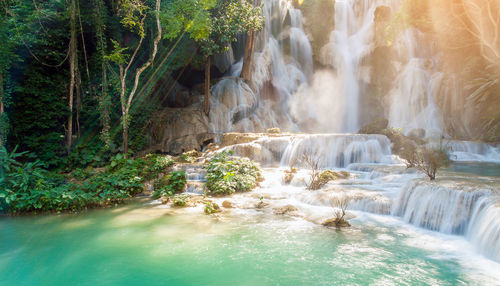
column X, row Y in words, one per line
column 186, row 158
column 117, row 56
column 85, row 154
column 226, row 175
column 211, row 207
column 180, row 200
column 213, row 24
column 159, row 163
column 170, row 184
column 190, row 16
column 28, row 187
column 133, row 13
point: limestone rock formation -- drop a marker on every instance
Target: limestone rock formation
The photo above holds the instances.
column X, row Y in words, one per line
column 177, row 130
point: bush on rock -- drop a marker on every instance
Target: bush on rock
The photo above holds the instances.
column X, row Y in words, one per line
column 227, row 174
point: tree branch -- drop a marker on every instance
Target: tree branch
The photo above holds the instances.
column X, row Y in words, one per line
column 151, row 59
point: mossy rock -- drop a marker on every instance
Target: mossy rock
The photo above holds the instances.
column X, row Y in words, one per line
column 336, row 222
column 261, row 205
column 273, row 131
column 181, row 200
column 284, row 210
column 227, row 204
column 329, row 175
column 289, row 175
column 211, row 207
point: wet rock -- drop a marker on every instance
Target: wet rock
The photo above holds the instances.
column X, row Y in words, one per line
column 193, row 153
column 273, row 131
column 335, row 222
column 261, row 205
column 238, row 138
column 227, row 204
column 284, row 210
column 176, row 130
column 211, row 147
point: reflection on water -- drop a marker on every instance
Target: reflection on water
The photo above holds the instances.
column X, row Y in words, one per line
column 143, row 244
column 476, row 168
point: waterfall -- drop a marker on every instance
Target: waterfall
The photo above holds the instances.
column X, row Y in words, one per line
column 276, row 76
column 435, row 207
column 473, row 151
column 469, row 151
column 484, row 227
column 473, row 213
column 329, row 150
column 350, row 42
column 412, row 104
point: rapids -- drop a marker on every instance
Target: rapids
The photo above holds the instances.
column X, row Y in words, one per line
column 456, row 203
column 296, row 90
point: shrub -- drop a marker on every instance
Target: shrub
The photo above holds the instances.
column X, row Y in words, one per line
column 170, row 184
column 157, row 164
column 289, row 175
column 226, row 174
column 28, row 187
column 427, row 160
column 211, row 207
column 312, row 161
column 180, row 200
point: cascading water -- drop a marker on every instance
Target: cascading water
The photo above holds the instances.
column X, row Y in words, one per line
column 287, row 90
column 412, row 97
column 276, row 75
column 337, row 89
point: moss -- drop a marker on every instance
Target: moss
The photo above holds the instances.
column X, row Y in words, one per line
column 336, row 222
column 273, row 131
column 284, row 210
column 327, row 176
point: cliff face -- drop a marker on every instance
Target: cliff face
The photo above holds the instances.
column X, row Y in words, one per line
column 423, row 70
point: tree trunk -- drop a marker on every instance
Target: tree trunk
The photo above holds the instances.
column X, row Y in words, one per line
column 78, row 86
column 125, row 138
column 246, row 70
column 124, row 111
column 207, row 86
column 104, row 102
column 127, row 102
column 72, row 67
column 1, row 107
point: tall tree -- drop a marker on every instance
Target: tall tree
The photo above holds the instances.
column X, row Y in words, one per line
column 73, row 66
column 213, row 25
column 133, row 13
column 246, row 70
